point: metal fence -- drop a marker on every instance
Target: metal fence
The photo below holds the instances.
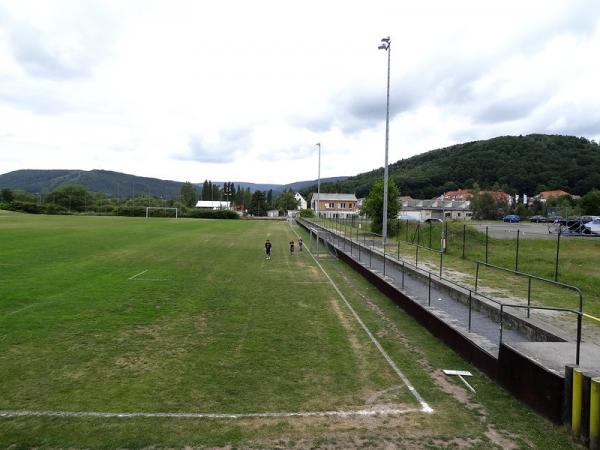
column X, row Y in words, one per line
column 351, row 236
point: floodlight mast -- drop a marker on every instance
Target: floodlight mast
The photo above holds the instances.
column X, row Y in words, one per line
column 319, row 181
column 386, row 44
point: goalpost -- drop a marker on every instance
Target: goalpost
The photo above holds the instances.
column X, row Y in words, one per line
column 148, row 208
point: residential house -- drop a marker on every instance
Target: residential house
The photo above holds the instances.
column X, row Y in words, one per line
column 546, row 195
column 459, row 195
column 422, row 210
column 335, row 205
column 465, row 195
column 301, row 201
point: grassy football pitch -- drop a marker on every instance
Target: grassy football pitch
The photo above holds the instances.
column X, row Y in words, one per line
column 142, row 317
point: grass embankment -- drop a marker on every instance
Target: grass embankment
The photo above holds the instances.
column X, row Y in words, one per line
column 132, row 315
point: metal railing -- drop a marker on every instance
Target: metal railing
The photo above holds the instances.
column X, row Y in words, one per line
column 466, row 289
column 529, row 277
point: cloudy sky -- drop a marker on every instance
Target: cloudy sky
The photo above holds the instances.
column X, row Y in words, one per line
column 242, row 90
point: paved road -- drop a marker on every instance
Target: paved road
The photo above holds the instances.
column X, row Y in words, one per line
column 528, row 230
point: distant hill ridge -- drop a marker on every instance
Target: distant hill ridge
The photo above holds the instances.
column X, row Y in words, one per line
column 117, row 184
column 514, row 164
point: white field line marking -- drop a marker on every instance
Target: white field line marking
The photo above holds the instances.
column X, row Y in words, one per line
column 68, row 414
column 137, row 275
column 22, row 309
column 424, row 406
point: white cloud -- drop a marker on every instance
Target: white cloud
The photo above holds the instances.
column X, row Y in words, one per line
column 243, row 90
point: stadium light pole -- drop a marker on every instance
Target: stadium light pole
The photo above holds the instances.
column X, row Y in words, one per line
column 386, row 44
column 319, row 181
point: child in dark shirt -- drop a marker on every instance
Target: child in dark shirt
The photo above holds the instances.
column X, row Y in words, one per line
column 268, row 249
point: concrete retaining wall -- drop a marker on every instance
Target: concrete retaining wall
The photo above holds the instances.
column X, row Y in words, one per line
column 539, row 388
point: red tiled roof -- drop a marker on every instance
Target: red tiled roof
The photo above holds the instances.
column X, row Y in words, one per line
column 458, row 195
column 498, row 195
column 556, row 193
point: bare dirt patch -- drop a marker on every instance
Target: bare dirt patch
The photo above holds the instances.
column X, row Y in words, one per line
column 360, row 350
column 447, row 386
column 348, row 325
column 406, row 432
column 136, row 363
column 501, row 440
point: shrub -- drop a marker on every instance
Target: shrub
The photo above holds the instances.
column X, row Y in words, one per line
column 211, row 214
column 53, row 208
column 28, row 207
column 307, row 213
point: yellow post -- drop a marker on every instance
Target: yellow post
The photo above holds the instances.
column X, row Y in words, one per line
column 576, row 409
column 595, row 414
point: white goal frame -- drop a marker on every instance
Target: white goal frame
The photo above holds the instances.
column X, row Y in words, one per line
column 148, row 208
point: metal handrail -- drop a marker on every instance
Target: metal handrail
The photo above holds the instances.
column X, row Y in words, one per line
column 530, row 277
column 501, row 304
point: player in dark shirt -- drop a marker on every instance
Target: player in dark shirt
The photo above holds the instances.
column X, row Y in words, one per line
column 300, row 245
column 268, row 249
column 292, row 248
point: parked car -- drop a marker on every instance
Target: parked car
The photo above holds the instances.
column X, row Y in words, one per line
column 512, row 218
column 553, row 219
column 537, row 219
column 593, row 226
column 405, row 217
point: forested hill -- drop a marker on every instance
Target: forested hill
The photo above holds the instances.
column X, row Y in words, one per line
column 117, row 184
column 113, row 184
column 514, row 164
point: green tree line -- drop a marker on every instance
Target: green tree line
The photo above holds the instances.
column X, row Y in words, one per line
column 74, row 199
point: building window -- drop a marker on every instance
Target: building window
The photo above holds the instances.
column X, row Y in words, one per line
column 342, row 205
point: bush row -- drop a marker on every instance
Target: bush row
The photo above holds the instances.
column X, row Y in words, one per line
column 112, row 210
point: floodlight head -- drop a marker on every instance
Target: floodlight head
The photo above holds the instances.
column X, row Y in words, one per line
column 382, row 47
column 385, row 39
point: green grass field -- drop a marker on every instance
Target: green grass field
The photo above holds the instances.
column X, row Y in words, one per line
column 128, row 315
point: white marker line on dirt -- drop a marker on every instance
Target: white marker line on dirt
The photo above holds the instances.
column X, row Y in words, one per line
column 69, row 414
column 424, row 406
column 137, row 275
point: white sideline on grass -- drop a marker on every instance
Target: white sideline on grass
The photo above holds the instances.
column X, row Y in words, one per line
column 137, row 275
column 22, row 309
column 424, row 406
column 68, row 414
